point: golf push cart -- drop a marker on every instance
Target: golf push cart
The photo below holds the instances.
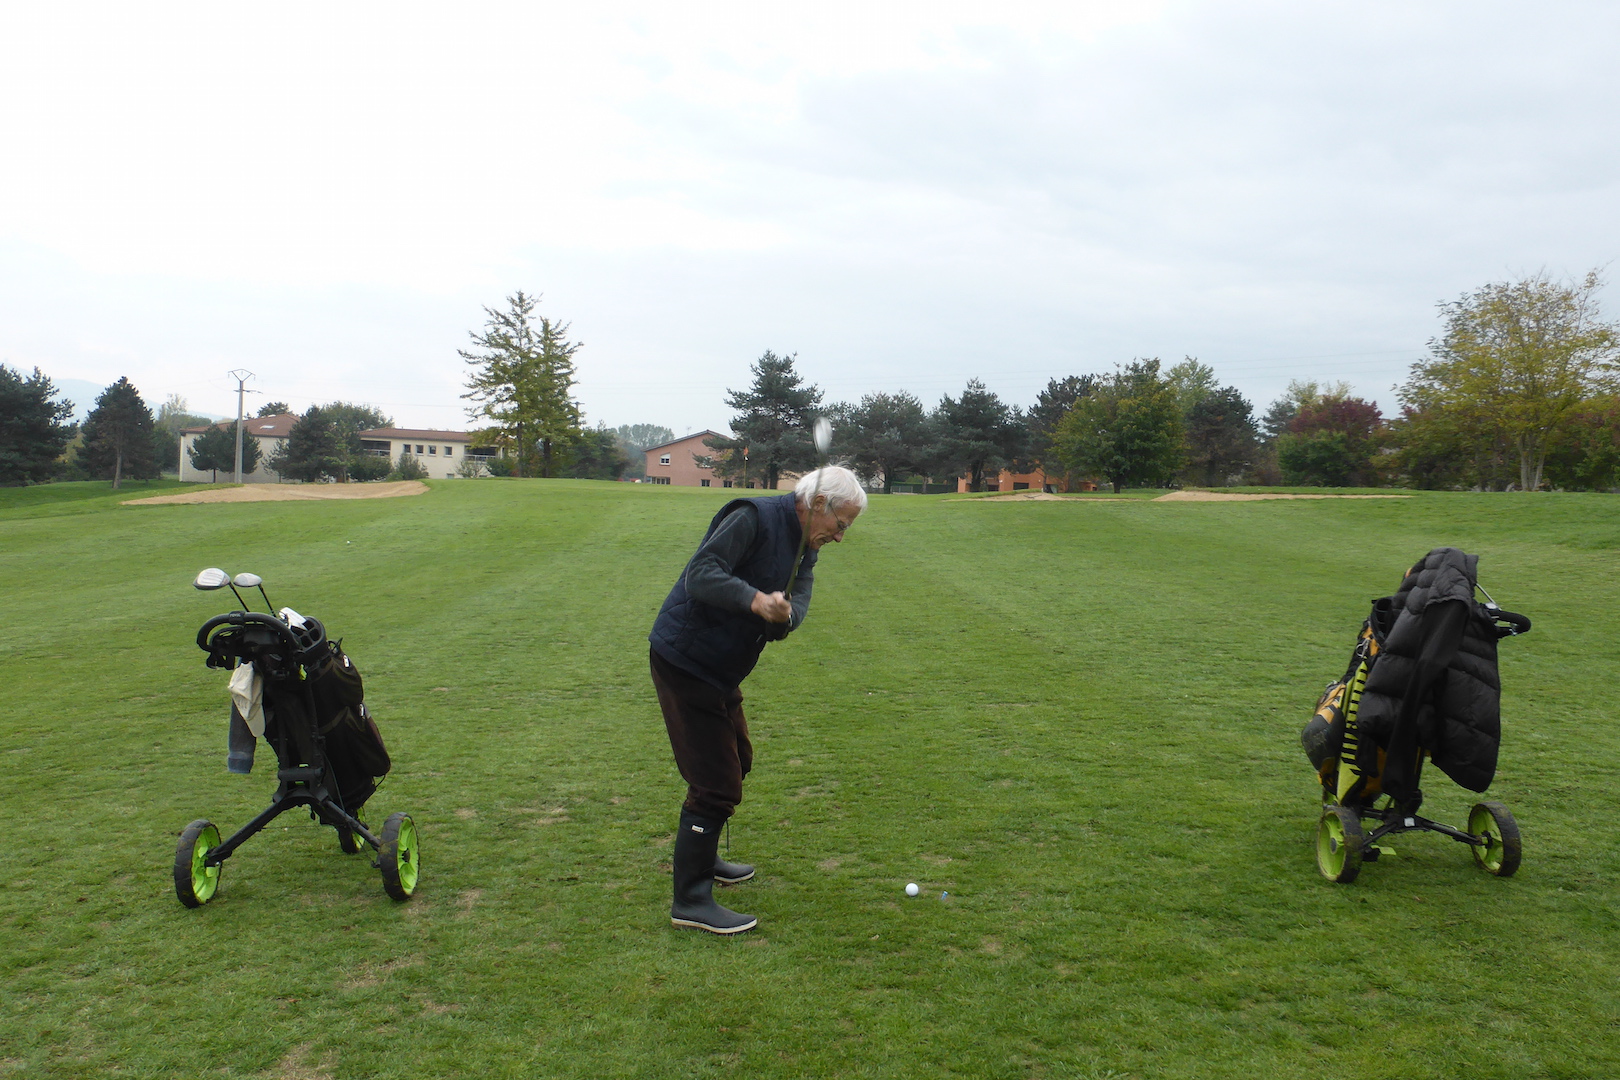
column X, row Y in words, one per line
column 1422, row 685
column 296, row 690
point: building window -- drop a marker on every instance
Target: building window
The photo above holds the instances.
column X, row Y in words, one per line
column 418, row 448
column 664, row 459
column 703, row 483
column 1020, row 487
column 447, row 451
column 725, row 483
column 433, row 449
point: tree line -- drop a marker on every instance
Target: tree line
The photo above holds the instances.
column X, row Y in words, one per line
column 1519, row 390
column 123, row 439
column 119, row 439
column 1137, row 426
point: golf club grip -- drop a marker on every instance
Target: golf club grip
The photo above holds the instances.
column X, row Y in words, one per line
column 794, row 576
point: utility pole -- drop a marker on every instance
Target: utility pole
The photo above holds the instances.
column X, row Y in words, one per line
column 241, row 377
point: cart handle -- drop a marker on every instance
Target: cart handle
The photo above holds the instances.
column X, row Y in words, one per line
column 243, row 618
column 1515, row 624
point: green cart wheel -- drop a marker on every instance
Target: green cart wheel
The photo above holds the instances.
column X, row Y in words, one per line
column 1339, row 843
column 194, row 882
column 398, row 856
column 1502, row 849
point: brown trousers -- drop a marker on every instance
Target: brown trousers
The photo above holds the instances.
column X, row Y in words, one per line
column 709, row 734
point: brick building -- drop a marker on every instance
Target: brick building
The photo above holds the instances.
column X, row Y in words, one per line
column 1035, row 481
column 678, row 463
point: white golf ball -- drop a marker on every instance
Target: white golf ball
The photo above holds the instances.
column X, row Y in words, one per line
column 912, row 890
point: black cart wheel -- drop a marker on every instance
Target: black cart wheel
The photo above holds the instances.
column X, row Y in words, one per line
column 194, row 882
column 398, row 857
column 1339, row 843
column 1502, row 848
column 348, row 842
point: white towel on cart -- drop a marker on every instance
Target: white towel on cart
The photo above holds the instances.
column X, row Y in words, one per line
column 247, row 694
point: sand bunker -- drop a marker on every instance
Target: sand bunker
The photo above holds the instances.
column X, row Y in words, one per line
column 1232, row 496
column 289, row 493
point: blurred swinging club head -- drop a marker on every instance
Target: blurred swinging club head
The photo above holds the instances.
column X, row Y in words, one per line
column 821, row 431
column 823, row 436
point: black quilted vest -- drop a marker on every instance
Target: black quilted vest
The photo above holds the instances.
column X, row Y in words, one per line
column 718, row 646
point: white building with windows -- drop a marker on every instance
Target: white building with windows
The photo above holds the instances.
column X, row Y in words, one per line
column 441, row 452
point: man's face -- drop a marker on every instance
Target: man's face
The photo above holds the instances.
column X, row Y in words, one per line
column 828, row 523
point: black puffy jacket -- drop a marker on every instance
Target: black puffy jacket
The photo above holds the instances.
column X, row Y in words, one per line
column 1435, row 686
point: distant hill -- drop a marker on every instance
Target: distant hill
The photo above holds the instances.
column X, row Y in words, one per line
column 83, row 394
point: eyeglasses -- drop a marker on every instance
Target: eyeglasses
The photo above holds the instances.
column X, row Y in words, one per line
column 840, row 526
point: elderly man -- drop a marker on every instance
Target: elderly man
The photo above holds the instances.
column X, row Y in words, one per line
column 733, row 597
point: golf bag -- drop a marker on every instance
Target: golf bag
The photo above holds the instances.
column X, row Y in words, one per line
column 310, row 699
column 354, row 746
column 321, row 694
column 1422, row 684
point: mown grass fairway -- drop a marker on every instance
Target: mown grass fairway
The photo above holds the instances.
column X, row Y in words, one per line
column 1080, row 719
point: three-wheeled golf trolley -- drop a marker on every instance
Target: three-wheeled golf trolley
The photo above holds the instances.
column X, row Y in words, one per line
column 1422, row 685
column 296, row 690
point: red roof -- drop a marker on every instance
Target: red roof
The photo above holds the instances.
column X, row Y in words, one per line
column 271, row 427
column 684, row 438
column 416, row 433
column 278, row 426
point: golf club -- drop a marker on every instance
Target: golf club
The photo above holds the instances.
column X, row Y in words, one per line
column 823, row 436
column 248, row 581
column 214, row 578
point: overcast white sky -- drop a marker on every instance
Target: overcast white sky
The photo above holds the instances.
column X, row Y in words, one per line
column 906, row 196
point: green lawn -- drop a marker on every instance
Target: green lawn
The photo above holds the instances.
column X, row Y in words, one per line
column 1079, row 718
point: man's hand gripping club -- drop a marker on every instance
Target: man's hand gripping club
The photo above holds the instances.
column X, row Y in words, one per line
column 772, row 607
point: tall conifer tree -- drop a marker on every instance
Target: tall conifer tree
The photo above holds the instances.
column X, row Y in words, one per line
column 34, row 427
column 523, row 373
column 770, row 431
column 118, row 436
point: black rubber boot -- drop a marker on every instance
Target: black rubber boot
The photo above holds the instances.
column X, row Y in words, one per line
column 731, row 873
column 697, row 845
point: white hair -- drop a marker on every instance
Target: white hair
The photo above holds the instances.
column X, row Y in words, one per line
column 842, row 487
